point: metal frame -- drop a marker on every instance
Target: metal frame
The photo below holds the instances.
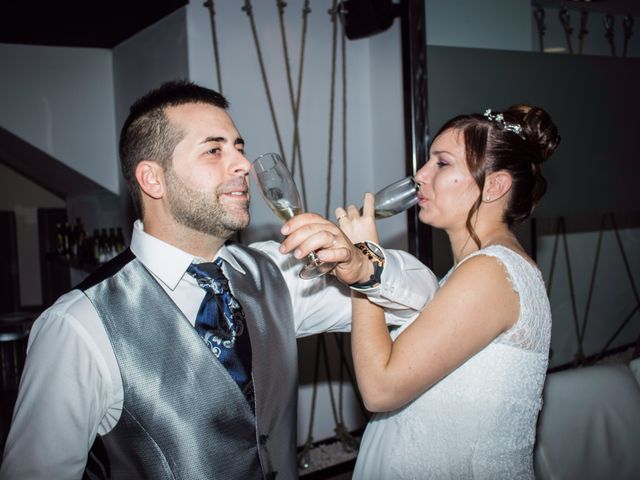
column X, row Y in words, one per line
column 414, row 79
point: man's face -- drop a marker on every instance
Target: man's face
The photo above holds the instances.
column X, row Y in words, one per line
column 207, row 187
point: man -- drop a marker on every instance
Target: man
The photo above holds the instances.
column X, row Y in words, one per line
column 118, row 358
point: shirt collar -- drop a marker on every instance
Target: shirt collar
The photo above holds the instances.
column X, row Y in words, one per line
column 166, row 262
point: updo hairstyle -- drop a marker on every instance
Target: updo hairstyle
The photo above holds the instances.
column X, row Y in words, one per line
column 490, row 147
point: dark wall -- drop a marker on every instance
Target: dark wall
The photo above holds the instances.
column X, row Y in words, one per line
column 594, row 101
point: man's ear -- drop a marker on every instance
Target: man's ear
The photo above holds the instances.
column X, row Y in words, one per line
column 496, row 185
column 150, row 177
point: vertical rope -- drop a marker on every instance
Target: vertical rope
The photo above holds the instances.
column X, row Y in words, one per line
column 351, row 375
column 296, row 153
column 627, row 26
column 609, row 21
column 565, row 20
column 584, row 17
column 344, row 104
column 579, row 354
column 303, row 41
column 212, row 16
column 248, row 9
column 593, row 280
column 303, row 457
column 333, row 12
column 554, row 256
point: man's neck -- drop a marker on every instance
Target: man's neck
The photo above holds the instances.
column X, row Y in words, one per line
column 196, row 243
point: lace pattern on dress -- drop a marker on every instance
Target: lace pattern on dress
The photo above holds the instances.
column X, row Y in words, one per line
column 532, row 330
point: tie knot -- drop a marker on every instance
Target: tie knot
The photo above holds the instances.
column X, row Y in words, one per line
column 207, row 272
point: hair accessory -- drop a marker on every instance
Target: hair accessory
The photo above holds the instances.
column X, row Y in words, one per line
column 499, row 118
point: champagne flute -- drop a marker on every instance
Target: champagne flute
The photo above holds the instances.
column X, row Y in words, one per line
column 395, row 198
column 279, row 191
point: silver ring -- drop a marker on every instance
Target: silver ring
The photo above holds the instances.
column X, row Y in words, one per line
column 341, row 217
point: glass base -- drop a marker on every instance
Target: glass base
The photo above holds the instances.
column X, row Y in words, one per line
column 315, row 268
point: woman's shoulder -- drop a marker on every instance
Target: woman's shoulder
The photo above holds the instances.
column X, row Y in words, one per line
column 515, row 261
column 495, row 268
column 482, row 266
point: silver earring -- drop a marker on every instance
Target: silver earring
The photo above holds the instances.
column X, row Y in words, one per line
column 488, row 199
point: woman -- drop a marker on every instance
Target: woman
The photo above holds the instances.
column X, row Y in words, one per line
column 459, row 389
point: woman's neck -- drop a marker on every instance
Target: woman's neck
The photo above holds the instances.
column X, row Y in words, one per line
column 462, row 244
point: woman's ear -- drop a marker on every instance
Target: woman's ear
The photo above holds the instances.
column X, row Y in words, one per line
column 496, row 185
column 150, row 177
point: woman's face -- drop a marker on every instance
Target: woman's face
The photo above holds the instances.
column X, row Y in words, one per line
column 447, row 189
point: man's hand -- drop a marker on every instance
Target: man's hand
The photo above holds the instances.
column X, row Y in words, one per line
column 310, row 232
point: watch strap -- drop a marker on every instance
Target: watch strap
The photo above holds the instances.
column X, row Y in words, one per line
column 378, row 265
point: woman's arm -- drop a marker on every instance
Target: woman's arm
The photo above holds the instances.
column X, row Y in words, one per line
column 475, row 305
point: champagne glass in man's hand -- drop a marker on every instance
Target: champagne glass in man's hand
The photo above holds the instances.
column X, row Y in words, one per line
column 279, row 191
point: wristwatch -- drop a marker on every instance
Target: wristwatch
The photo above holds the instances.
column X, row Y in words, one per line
column 374, row 253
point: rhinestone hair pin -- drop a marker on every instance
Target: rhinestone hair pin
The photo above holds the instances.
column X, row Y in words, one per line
column 499, row 118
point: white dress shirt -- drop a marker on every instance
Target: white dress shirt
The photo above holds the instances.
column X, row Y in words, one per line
column 71, row 389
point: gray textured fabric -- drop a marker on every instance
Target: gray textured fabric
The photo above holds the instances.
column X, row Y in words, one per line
column 183, row 416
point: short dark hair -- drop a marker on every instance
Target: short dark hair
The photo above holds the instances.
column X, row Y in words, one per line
column 147, row 132
column 489, row 147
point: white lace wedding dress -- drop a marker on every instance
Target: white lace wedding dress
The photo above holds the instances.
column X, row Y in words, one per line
column 479, row 421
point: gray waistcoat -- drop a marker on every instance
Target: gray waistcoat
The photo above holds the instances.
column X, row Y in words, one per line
column 183, row 416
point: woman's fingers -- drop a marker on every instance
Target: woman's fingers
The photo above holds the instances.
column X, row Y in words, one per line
column 368, row 210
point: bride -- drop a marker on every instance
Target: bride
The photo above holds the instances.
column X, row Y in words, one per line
column 459, row 389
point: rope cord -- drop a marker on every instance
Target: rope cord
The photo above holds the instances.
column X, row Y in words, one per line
column 580, row 359
column 608, row 22
column 296, row 152
column 344, row 103
column 617, row 332
column 584, row 17
column 296, row 139
column 248, row 9
column 565, row 20
column 333, row 12
column 554, row 256
column 625, row 259
column 593, row 280
column 351, row 375
column 342, row 434
column 627, row 25
column 212, row 16
column 323, row 344
column 579, row 354
column 303, row 457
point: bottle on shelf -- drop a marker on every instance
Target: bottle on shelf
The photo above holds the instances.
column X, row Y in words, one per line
column 68, row 240
column 96, row 245
column 59, row 240
column 103, row 255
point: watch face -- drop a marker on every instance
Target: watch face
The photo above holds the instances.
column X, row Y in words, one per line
column 374, row 248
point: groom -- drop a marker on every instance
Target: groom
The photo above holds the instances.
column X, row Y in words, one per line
column 178, row 358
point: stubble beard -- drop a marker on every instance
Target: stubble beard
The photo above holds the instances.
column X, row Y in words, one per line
column 202, row 211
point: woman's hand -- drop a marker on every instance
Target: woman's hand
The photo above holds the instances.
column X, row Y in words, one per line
column 356, row 227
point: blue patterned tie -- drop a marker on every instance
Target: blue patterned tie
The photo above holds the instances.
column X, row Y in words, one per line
column 221, row 324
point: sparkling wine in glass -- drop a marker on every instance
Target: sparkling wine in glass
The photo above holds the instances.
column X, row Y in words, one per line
column 396, row 198
column 281, row 194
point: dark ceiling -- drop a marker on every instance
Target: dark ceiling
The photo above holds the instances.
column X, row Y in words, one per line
column 79, row 23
